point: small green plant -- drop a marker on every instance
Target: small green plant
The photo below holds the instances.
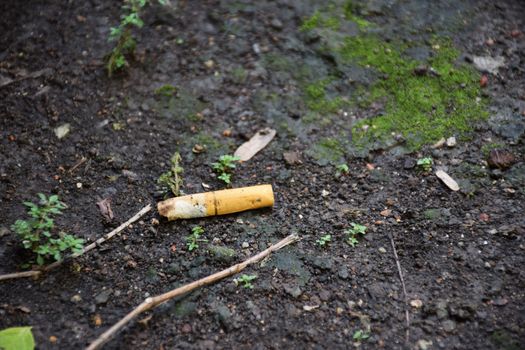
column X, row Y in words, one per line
column 192, row 241
column 360, row 335
column 342, row 169
column 224, row 167
column 245, row 281
column 324, row 240
column 17, row 338
column 425, row 164
column 354, row 232
column 122, row 35
column 172, row 178
column 36, row 233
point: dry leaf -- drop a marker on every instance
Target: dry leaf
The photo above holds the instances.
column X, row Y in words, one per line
column 258, row 141
column 292, row 158
column 104, row 206
column 447, row 180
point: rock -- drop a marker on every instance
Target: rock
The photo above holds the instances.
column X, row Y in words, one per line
column 225, row 316
column 222, row 254
column 488, row 64
column 409, row 163
column 343, row 272
column 76, row 298
column 276, row 24
column 103, row 296
column 62, row 130
column 451, row 141
column 500, row 302
column 245, row 245
column 448, row 325
column 382, row 250
column 132, row 176
column 293, row 290
column 323, row 263
column 3, row 231
column 501, row 159
column 423, row 344
column 416, row 303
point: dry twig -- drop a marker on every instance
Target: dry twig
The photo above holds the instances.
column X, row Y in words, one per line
column 407, row 315
column 38, row 272
column 155, row 301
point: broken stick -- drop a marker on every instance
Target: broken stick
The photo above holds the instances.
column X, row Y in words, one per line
column 38, row 272
column 155, row 301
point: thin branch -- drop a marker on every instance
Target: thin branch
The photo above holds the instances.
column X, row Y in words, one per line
column 155, row 301
column 407, row 313
column 38, row 272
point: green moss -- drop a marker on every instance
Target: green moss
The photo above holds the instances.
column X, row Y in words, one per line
column 320, row 20
column 423, row 108
column 327, row 150
column 349, row 9
column 486, row 148
column 317, row 100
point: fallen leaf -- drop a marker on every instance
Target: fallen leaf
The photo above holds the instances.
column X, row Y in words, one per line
column 386, row 212
column 258, row 141
column 104, row 206
column 499, row 158
column 62, row 130
column 292, row 158
column 488, row 64
column 447, row 180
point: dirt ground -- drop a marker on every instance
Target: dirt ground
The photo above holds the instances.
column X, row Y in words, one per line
column 239, row 66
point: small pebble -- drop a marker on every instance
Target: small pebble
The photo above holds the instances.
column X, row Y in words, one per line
column 382, row 250
column 79, row 184
column 245, row 245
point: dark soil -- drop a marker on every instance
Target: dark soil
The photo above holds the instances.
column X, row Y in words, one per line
column 462, row 253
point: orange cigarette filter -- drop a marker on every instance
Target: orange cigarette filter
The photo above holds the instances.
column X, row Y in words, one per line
column 217, row 202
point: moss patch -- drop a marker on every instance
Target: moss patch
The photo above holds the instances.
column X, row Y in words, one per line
column 442, row 99
column 327, row 150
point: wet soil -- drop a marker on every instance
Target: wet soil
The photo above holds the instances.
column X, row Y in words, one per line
column 234, row 66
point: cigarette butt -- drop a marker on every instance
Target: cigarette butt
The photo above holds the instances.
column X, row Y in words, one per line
column 217, row 202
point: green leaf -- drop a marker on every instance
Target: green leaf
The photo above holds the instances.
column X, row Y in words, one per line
column 225, row 177
column 17, row 338
column 40, row 260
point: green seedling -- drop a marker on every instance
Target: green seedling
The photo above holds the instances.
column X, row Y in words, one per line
column 354, row 232
column 19, row 338
column 324, row 240
column 342, row 169
column 123, row 36
column 245, row 281
column 360, row 335
column 224, row 167
column 172, row 178
column 192, row 241
column 37, row 233
column 425, row 164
